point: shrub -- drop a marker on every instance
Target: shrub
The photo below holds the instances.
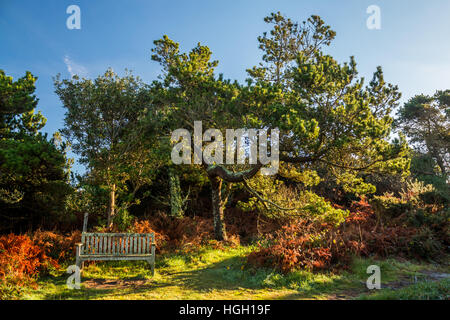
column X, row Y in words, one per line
column 122, row 220
column 144, row 226
column 420, row 208
column 425, row 244
column 176, row 233
column 415, row 195
column 57, row 246
column 395, row 237
column 300, row 202
column 304, row 244
column 21, row 260
column 21, row 256
column 388, row 206
column 298, row 245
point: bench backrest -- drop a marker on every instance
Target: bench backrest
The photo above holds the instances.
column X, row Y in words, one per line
column 116, row 243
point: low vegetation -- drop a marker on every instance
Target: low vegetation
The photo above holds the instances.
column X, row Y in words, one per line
column 223, row 273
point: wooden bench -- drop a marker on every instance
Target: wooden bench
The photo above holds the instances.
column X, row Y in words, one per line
column 116, row 246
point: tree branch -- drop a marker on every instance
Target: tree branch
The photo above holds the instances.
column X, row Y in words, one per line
column 264, row 201
column 228, row 176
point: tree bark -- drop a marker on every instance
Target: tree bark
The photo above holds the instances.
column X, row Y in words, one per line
column 217, row 174
column 85, row 221
column 441, row 165
column 176, row 201
column 112, row 205
column 218, row 209
column 432, row 150
column 228, row 176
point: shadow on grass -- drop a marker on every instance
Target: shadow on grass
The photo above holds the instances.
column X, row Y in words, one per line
column 180, row 271
column 87, row 293
column 229, row 274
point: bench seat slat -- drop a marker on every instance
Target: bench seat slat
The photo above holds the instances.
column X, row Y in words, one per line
column 91, row 248
column 116, row 244
column 111, row 255
column 100, row 244
column 131, row 247
column 140, row 245
column 131, row 251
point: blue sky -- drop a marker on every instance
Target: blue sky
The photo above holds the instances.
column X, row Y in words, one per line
column 412, row 46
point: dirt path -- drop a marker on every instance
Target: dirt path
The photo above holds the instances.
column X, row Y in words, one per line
column 425, row 275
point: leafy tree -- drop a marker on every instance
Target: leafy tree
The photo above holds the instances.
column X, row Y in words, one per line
column 33, row 170
column 16, row 98
column 189, row 92
column 327, row 116
column 281, row 47
column 305, row 203
column 426, row 121
column 103, row 123
column 330, row 121
column 325, row 113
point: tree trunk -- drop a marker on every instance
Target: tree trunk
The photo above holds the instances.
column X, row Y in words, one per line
column 218, row 209
column 112, row 205
column 441, row 165
column 176, row 201
column 85, row 221
column 434, row 153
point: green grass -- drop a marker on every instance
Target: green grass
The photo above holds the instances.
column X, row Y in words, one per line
column 215, row 274
column 426, row 290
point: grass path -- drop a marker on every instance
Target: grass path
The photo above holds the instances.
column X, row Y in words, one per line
column 221, row 274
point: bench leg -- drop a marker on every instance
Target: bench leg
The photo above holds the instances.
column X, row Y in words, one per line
column 151, row 262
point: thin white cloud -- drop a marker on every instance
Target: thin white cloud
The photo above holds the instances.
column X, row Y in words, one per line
column 74, row 68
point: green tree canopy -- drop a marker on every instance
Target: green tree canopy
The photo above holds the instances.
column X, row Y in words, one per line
column 325, row 112
column 425, row 120
column 33, row 170
column 103, row 124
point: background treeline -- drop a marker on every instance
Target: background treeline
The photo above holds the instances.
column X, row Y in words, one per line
column 353, row 178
